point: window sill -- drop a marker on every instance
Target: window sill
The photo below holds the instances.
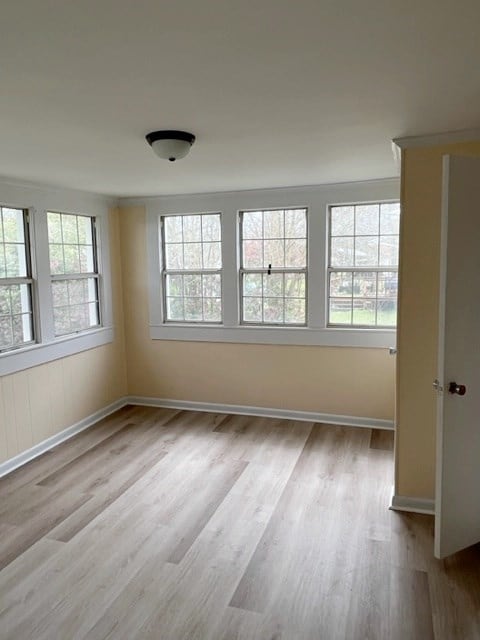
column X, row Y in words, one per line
column 32, row 356
column 328, row 337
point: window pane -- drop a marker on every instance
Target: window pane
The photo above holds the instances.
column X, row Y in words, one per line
column 252, row 310
column 273, row 310
column 192, row 228
column 387, row 312
column 173, row 229
column 294, row 311
column 388, row 284
column 252, row 226
column 367, row 220
column 192, row 286
column 295, row 285
column 341, row 284
column 252, row 284
column 60, row 293
column 342, row 221
column 273, row 284
column 69, row 229
column 364, row 312
column 61, row 320
column 340, row 311
column 84, row 224
column 212, row 258
column 295, row 223
column 211, row 229
column 212, row 286
column 13, row 228
column 365, row 285
column 6, row 335
column 295, row 253
column 72, row 258
column 54, row 227
column 174, row 285
column 57, row 265
column 175, row 309
column 212, row 309
column 174, row 256
column 389, row 251
column 86, row 259
column 15, row 260
column 342, row 252
column 366, row 251
column 274, row 253
column 22, row 328
column 253, row 253
column 193, row 309
column 273, row 224
column 192, row 256
column 390, row 218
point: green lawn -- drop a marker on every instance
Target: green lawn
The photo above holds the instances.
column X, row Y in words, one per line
column 365, row 317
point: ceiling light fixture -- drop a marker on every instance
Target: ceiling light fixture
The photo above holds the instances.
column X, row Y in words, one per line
column 170, row 145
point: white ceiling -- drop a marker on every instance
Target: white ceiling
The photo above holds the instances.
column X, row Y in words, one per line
column 278, row 92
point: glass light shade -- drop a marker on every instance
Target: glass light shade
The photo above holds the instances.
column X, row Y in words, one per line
column 171, row 149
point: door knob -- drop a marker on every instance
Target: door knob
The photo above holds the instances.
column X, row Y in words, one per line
column 459, row 389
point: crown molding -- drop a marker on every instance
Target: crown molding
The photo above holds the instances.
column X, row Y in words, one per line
column 434, row 139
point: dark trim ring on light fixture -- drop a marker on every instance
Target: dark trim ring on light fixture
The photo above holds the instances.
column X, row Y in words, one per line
column 176, row 144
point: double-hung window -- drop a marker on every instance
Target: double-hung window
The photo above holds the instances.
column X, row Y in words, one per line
column 363, row 265
column 192, row 268
column 16, row 312
column 74, row 272
column 273, row 266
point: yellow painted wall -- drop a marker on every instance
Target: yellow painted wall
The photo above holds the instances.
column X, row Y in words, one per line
column 357, row 382
column 417, row 338
column 39, row 402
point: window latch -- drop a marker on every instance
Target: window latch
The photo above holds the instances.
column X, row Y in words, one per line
column 269, row 270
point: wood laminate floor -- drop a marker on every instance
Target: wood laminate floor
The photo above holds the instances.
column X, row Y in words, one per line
column 174, row 525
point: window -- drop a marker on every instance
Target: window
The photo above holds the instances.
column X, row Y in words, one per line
column 74, row 272
column 16, row 315
column 363, row 265
column 192, row 268
column 273, row 268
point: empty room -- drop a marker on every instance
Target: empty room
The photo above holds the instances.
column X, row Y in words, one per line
column 237, row 365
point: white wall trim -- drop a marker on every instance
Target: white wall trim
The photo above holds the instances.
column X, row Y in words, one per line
column 412, row 505
column 22, row 458
column 263, row 412
column 37, row 354
column 434, row 139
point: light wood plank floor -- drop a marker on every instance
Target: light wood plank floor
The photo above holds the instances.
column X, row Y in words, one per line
column 173, row 525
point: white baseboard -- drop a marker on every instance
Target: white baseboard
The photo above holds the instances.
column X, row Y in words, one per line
column 22, row 458
column 263, row 412
column 413, row 505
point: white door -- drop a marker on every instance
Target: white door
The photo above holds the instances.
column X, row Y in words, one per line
column 457, row 500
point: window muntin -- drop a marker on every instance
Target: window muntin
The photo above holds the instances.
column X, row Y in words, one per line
column 363, row 265
column 16, row 313
column 273, row 266
column 74, row 272
column 192, row 268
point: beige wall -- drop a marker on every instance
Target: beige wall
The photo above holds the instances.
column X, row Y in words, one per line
column 39, row 402
column 418, row 316
column 357, row 382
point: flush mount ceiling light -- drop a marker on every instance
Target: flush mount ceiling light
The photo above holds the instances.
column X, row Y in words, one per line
column 170, row 145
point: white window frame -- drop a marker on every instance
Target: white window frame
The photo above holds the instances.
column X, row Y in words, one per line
column 37, row 201
column 165, row 272
column 317, row 201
